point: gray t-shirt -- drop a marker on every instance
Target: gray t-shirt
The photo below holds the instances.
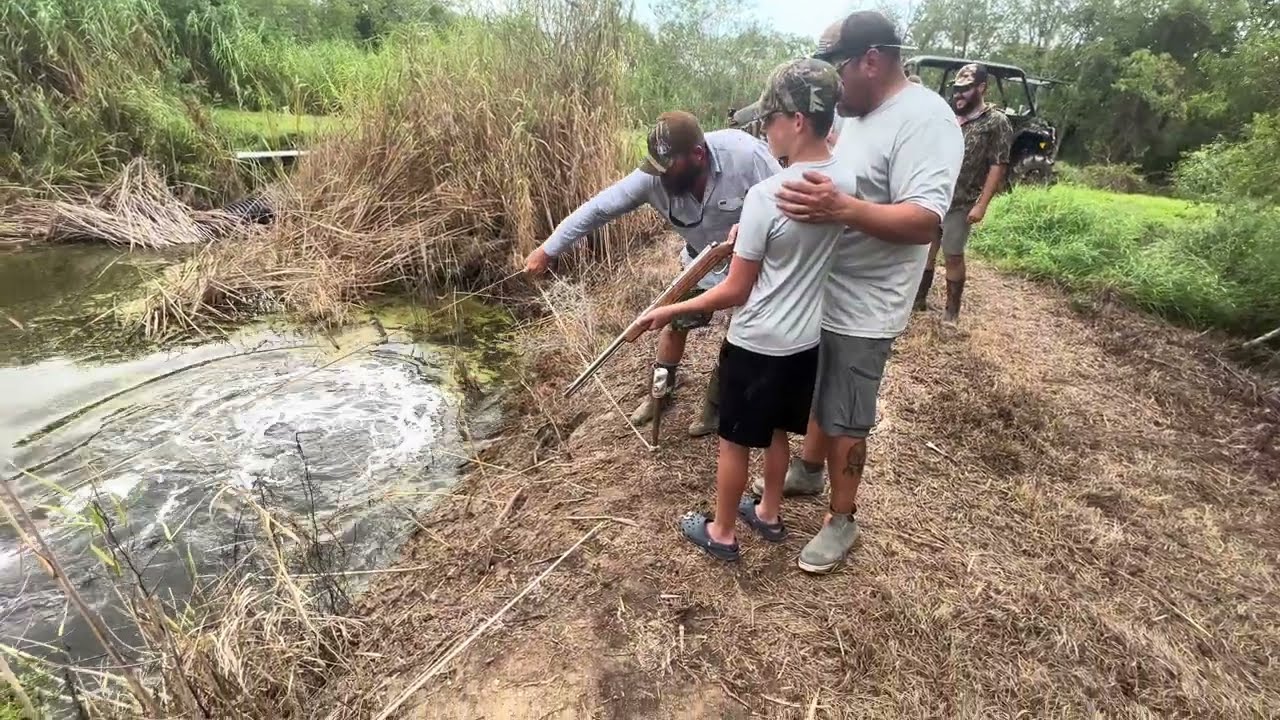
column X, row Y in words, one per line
column 783, row 314
column 908, row 150
column 738, row 161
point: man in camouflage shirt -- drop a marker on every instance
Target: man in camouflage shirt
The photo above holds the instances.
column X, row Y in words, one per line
column 988, row 138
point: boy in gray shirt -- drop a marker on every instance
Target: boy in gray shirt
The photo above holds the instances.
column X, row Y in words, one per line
column 769, row 360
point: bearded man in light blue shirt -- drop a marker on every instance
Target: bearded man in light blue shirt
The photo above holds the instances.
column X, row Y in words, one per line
column 696, row 181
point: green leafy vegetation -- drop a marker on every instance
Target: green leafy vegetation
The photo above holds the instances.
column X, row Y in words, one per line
column 1116, row 178
column 1196, row 263
column 1170, row 96
column 87, row 84
column 264, row 130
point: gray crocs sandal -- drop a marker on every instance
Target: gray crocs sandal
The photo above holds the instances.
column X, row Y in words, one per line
column 775, row 533
column 693, row 526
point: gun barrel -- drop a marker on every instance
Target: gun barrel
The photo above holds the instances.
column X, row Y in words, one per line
column 586, row 374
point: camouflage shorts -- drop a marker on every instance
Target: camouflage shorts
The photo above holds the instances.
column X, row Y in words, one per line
column 691, row 321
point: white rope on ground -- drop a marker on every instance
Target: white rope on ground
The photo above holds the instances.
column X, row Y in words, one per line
column 457, row 649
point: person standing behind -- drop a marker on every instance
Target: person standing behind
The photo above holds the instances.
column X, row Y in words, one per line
column 769, row 359
column 988, row 138
column 697, row 182
column 903, row 144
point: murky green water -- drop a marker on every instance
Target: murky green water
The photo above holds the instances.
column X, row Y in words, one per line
column 158, row 437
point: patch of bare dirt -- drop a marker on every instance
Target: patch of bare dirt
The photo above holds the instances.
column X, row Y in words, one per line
column 1064, row 515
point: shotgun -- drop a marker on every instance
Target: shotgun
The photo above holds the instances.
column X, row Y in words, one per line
column 711, row 257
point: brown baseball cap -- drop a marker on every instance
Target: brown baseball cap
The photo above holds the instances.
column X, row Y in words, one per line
column 676, row 133
column 855, row 35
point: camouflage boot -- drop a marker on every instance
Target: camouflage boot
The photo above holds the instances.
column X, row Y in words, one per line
column 708, row 420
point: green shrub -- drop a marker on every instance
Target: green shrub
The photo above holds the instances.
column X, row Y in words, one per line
column 1203, row 265
column 1114, row 177
column 1235, row 170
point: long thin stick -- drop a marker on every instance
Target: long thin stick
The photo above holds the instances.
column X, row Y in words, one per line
column 482, row 290
column 440, row 664
column 30, row 534
column 1263, row 338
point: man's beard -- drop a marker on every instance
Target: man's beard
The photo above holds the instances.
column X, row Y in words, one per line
column 682, row 183
column 961, row 104
column 849, row 108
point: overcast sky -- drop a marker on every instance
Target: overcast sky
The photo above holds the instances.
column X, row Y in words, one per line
column 806, row 18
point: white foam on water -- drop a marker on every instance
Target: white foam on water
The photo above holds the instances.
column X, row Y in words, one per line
column 117, row 486
column 363, row 422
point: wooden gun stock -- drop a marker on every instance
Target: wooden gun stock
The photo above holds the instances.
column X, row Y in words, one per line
column 711, row 257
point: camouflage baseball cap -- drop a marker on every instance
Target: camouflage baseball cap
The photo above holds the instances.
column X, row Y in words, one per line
column 676, row 133
column 969, row 75
column 799, row 86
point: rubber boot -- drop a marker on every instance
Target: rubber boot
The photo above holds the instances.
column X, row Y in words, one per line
column 708, row 420
column 644, row 411
column 955, row 288
column 922, row 295
column 800, row 480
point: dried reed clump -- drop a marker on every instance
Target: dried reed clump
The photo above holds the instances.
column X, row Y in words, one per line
column 461, row 163
column 136, row 211
column 260, row 641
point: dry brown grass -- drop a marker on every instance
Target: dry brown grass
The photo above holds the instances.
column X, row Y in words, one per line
column 258, row 641
column 461, row 165
column 1064, row 517
column 136, row 211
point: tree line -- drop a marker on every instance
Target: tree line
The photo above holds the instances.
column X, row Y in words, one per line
column 1178, row 90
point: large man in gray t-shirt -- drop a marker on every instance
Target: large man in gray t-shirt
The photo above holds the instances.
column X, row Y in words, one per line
column 697, row 182
column 905, row 147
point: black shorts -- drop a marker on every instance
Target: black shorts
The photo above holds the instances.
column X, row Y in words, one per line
column 763, row 393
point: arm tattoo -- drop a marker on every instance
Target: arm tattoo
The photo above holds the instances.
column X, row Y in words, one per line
column 856, row 459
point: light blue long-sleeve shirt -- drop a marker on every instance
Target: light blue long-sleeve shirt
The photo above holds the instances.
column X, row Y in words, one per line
column 738, row 161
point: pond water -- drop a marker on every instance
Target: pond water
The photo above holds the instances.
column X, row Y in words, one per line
column 359, row 429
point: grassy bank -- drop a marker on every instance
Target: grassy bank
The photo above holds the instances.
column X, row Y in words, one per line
column 454, row 166
column 986, row 553
column 249, row 130
column 1199, row 264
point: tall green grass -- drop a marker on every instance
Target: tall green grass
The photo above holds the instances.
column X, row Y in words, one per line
column 86, row 84
column 1200, row 264
column 243, row 64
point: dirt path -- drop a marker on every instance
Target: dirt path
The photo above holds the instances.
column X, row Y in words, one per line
column 1065, row 514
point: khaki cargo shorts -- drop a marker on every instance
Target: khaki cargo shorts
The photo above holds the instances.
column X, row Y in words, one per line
column 848, row 385
column 955, row 231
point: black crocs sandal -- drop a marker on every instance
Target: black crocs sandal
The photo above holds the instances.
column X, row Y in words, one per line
column 694, row 528
column 775, row 533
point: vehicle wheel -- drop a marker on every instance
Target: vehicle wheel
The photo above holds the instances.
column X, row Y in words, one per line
column 1033, row 170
